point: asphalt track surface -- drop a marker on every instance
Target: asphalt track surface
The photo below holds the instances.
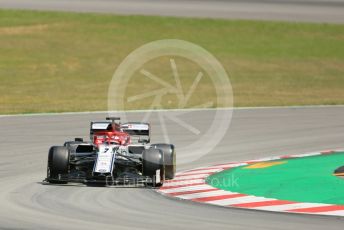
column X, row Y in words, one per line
column 330, row 11
column 24, row 140
column 254, row 133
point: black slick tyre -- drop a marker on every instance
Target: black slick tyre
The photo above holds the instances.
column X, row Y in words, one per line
column 58, row 164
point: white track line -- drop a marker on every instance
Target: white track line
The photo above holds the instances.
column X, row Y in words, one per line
column 186, row 182
column 202, row 171
column 332, row 213
column 171, row 110
column 205, row 194
column 238, row 200
column 285, row 207
column 189, row 188
column 200, row 176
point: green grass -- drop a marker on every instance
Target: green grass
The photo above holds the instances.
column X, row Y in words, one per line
column 305, row 179
column 52, row 62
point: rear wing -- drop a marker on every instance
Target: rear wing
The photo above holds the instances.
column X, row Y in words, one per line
column 100, row 126
column 103, row 126
column 139, row 132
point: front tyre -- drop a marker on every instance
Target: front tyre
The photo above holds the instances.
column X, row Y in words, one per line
column 152, row 163
column 169, row 159
column 58, row 164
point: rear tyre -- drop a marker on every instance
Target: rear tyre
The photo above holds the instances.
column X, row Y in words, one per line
column 58, row 164
column 169, row 159
column 153, row 160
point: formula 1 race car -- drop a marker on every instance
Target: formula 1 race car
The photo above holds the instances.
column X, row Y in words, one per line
column 118, row 154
